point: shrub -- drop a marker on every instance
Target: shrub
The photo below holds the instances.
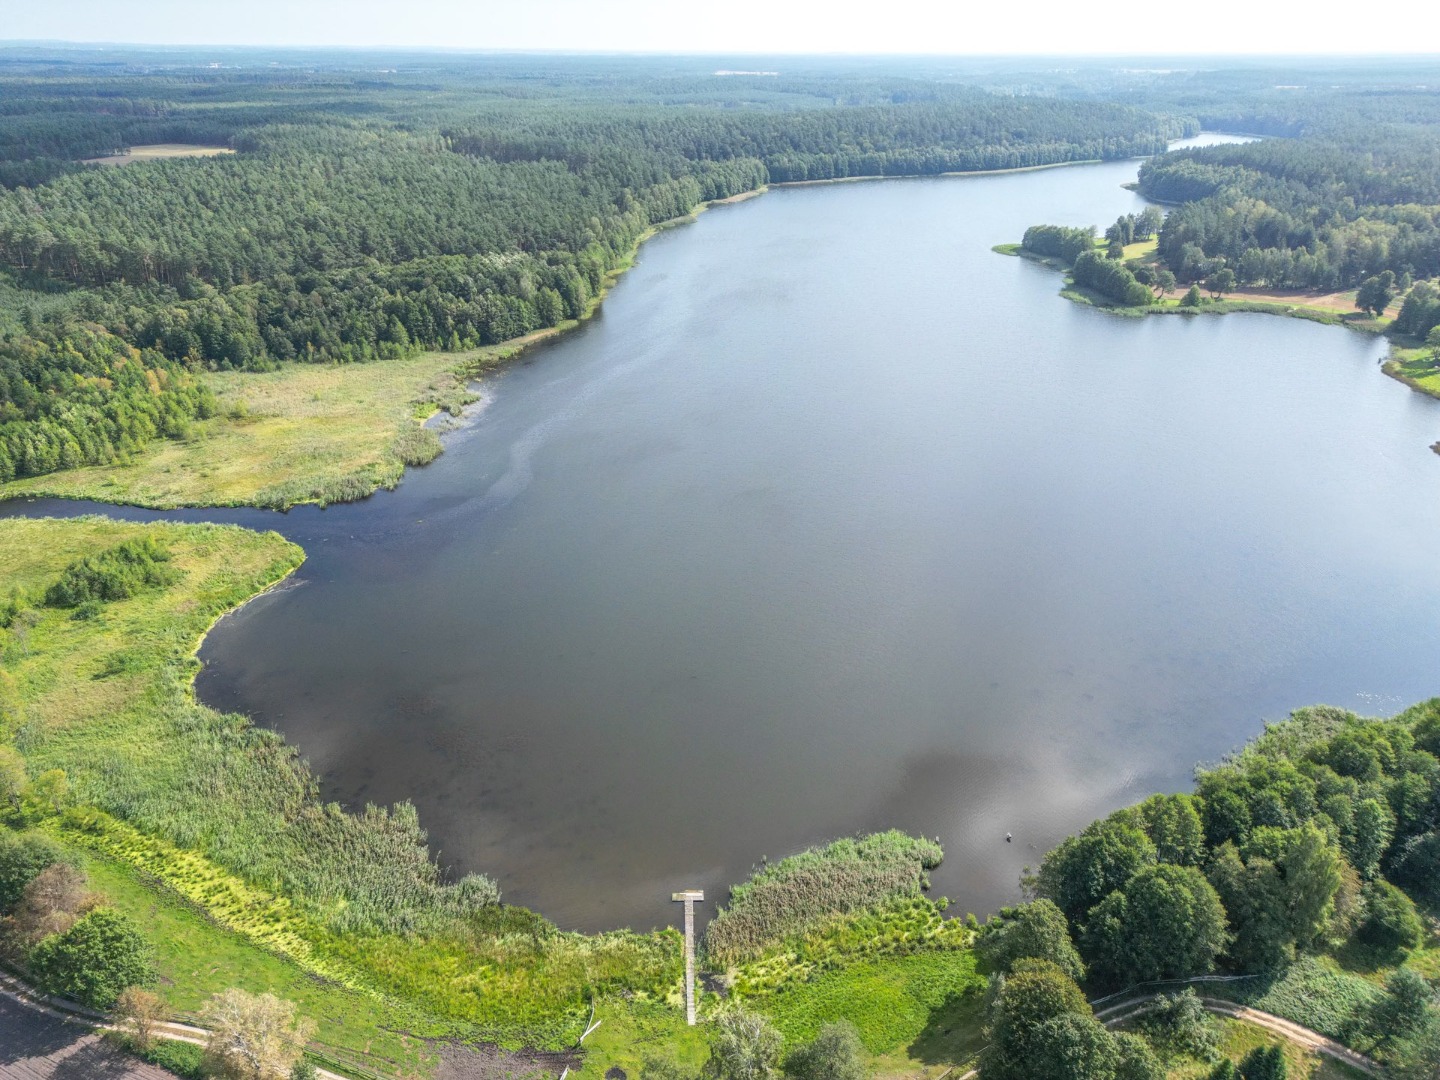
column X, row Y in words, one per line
column 1406, row 1010
column 1180, row 1025
column 744, row 1046
column 1041, row 1027
column 185, row 1060
column 1135, row 1059
column 116, row 574
column 834, row 1054
column 10, row 707
column 50, row 904
column 13, row 779
column 1264, row 1063
column 22, row 857
column 418, row 446
column 665, row 1067
column 138, row 1011
column 805, row 890
column 95, row 960
column 1418, row 866
column 1391, row 923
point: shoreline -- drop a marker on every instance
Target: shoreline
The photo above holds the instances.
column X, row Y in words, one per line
column 1234, row 304
column 930, row 176
column 467, row 367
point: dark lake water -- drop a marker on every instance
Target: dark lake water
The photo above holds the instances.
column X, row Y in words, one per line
column 833, row 521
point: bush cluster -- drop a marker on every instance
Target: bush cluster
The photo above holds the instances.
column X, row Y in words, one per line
column 115, row 574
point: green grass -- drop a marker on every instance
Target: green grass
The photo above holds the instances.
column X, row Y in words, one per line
column 924, row 1003
column 1314, row 991
column 1416, row 367
column 306, row 433
column 632, row 1030
column 196, row 957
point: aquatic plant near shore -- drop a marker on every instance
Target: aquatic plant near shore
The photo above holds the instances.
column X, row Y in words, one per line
column 803, row 891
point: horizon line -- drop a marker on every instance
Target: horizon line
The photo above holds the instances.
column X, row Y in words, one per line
column 527, row 50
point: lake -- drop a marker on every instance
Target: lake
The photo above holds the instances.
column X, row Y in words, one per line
column 835, row 520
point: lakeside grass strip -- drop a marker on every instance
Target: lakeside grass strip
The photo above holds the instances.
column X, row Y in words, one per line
column 269, row 920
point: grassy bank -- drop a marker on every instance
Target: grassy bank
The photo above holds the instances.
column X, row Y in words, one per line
column 204, row 811
column 308, row 433
column 1418, row 369
column 212, row 834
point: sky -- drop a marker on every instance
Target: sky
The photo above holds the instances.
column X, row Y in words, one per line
column 738, row 26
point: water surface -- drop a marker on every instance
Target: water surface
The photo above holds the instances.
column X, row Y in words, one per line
column 835, row 520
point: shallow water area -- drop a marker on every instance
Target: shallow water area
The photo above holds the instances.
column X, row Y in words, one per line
column 835, row 520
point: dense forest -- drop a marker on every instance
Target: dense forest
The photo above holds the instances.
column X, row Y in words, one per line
column 1327, row 210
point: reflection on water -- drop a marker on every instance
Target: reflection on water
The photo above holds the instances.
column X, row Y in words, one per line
column 836, row 520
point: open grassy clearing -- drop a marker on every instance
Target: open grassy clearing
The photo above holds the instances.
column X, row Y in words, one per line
column 1416, row 368
column 305, row 433
column 156, row 151
column 197, row 958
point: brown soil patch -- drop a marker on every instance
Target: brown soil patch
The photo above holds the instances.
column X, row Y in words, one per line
column 1339, row 303
column 493, row 1063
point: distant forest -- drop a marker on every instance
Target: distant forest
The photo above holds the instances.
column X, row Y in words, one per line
column 378, row 206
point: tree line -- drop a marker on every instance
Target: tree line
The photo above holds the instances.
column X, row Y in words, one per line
column 1317, row 212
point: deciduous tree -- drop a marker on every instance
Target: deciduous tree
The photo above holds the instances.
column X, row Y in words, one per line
column 253, row 1036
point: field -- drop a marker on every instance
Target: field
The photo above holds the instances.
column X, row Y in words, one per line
column 156, row 151
column 305, row 433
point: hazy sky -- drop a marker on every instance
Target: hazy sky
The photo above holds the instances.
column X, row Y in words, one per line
column 863, row 26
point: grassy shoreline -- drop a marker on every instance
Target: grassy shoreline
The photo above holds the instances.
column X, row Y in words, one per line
column 314, row 433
